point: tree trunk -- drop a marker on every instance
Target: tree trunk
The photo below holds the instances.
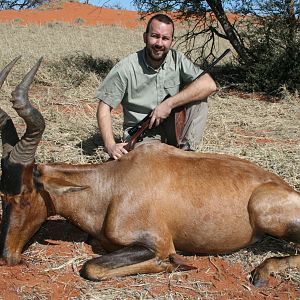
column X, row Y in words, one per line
column 237, row 44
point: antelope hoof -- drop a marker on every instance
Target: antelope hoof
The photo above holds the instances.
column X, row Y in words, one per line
column 3, row 262
column 89, row 272
column 259, row 278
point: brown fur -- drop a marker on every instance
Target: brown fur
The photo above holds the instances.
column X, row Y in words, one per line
column 164, row 199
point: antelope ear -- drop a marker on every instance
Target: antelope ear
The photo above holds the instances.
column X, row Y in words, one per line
column 60, row 186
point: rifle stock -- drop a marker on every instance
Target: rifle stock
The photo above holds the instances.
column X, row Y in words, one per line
column 136, row 131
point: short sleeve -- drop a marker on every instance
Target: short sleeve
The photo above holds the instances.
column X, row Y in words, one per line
column 188, row 70
column 113, row 89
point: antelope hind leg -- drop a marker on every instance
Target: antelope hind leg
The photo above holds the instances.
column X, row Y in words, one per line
column 126, row 261
column 274, row 209
column 260, row 275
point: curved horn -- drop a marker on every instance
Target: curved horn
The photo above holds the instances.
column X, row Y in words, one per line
column 8, row 131
column 6, row 70
column 24, row 150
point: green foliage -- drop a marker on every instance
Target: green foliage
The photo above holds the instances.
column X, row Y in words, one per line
column 273, row 69
column 273, row 44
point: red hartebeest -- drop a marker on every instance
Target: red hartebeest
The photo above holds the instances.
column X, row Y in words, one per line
column 143, row 206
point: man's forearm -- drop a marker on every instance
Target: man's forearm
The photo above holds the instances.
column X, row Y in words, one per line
column 199, row 89
column 105, row 124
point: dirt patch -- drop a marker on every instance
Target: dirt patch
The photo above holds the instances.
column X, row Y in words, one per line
column 260, row 138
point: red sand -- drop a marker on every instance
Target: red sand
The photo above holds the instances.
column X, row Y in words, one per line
column 74, row 13
column 78, row 13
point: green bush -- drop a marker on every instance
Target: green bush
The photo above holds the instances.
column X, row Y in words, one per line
column 275, row 63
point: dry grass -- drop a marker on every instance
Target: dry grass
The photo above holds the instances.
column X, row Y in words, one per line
column 263, row 132
column 56, row 40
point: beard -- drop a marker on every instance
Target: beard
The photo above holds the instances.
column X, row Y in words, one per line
column 156, row 54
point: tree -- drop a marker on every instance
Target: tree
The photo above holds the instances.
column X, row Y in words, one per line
column 20, row 4
column 273, row 41
column 264, row 34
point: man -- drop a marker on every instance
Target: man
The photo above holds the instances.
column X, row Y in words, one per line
column 141, row 81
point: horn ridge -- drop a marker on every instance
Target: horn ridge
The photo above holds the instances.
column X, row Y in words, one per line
column 24, row 151
column 20, row 94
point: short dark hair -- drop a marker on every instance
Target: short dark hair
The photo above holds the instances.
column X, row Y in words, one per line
column 162, row 18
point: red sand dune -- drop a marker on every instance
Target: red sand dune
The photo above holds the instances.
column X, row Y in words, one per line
column 78, row 13
column 72, row 12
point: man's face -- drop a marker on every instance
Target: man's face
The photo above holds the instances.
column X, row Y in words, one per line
column 158, row 41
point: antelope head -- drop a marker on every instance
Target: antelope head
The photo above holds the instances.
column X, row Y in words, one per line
column 23, row 211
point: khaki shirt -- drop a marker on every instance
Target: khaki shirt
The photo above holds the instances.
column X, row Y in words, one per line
column 140, row 88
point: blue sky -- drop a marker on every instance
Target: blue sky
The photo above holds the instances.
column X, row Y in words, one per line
column 126, row 4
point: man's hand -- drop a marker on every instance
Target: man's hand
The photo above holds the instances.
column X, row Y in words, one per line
column 160, row 113
column 116, row 150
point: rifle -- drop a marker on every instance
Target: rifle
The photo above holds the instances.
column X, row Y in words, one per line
column 140, row 128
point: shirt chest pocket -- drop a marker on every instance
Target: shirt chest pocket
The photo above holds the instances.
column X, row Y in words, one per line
column 172, row 86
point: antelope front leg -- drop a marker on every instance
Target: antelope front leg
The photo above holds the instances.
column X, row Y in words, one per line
column 126, row 261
